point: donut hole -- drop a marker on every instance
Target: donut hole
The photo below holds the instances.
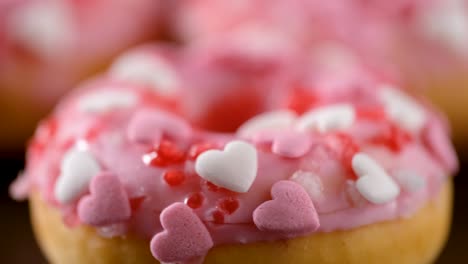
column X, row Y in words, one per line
column 227, row 112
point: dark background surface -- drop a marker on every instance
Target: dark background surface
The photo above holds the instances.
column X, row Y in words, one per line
column 17, row 244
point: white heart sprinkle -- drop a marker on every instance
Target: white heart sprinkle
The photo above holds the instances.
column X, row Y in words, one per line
column 327, row 119
column 150, row 71
column 373, row 183
column 45, row 28
column 311, row 183
column 104, row 101
column 409, row 180
column 78, row 167
column 270, row 121
column 235, row 168
column 402, row 109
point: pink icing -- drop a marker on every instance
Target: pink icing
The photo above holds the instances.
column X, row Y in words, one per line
column 150, row 127
column 107, row 204
column 153, row 155
column 438, row 142
column 291, row 212
column 291, row 144
column 184, row 236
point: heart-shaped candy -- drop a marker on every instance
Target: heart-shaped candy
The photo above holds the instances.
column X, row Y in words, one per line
column 402, row 109
column 291, row 144
column 291, row 212
column 184, row 236
column 78, row 167
column 374, row 183
column 149, row 69
column 107, row 100
column 235, row 168
column 107, row 202
column 148, row 126
column 270, row 121
column 326, row 119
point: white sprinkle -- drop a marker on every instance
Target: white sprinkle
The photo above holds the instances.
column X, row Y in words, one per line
column 147, row 70
column 327, row 119
column 409, row 180
column 77, row 169
column 402, row 109
column 447, row 22
column 235, row 168
column 44, row 27
column 270, row 121
column 104, row 101
column 311, row 183
column 374, row 183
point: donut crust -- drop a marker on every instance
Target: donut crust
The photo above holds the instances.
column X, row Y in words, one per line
column 414, row 240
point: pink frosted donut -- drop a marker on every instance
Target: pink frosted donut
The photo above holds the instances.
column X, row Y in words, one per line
column 48, row 46
column 295, row 27
column 419, row 36
column 127, row 155
column 422, row 43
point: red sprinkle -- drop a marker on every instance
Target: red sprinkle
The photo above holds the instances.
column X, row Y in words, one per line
column 136, row 202
column 349, row 149
column 198, row 149
column 51, row 127
column 214, row 188
column 35, row 146
column 393, row 137
column 375, row 113
column 301, row 100
column 228, row 205
column 94, row 131
column 195, row 200
column 164, row 154
column 152, row 159
column 170, row 152
column 45, row 133
column 174, row 177
column 152, row 99
column 218, row 217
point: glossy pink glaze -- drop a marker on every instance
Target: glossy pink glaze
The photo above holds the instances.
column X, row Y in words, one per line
column 142, row 166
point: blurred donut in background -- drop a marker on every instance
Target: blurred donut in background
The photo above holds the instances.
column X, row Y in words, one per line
column 435, row 60
column 47, row 46
column 423, row 44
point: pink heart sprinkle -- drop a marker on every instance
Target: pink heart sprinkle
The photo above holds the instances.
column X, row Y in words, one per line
column 291, row 144
column 291, row 212
column 107, row 204
column 149, row 126
column 184, row 237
